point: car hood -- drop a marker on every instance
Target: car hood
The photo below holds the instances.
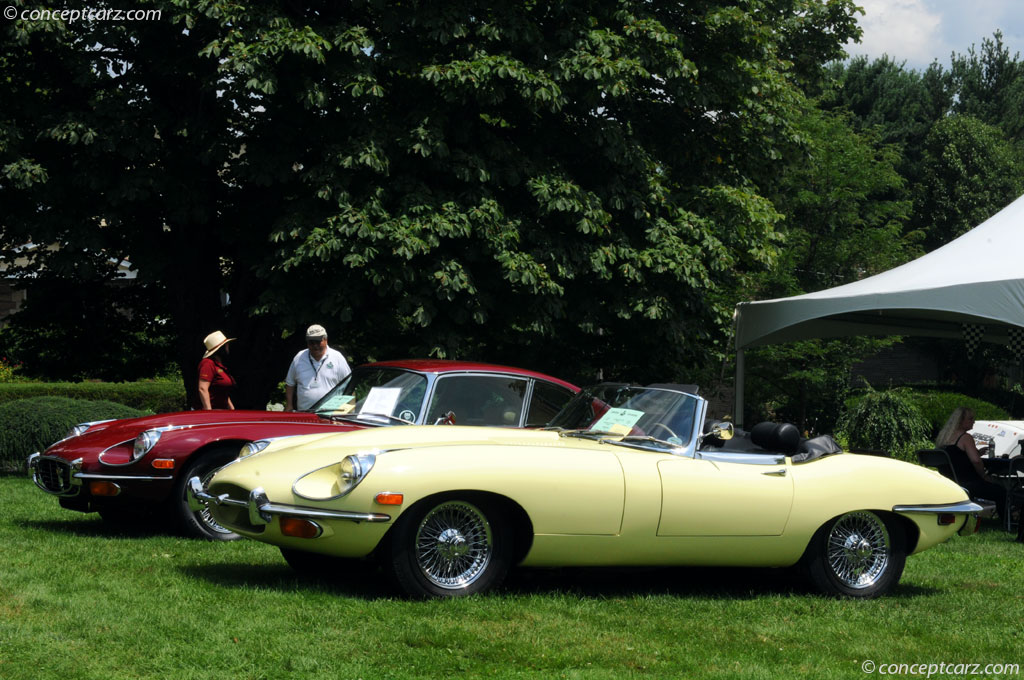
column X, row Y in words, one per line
column 104, row 435
column 317, row 449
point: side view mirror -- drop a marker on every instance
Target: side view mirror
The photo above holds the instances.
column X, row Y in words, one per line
column 446, row 419
column 722, row 431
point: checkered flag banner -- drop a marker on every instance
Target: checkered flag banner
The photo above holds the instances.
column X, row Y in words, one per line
column 1016, row 334
column 973, row 333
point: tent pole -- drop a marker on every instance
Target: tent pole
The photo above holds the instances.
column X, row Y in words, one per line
column 737, row 417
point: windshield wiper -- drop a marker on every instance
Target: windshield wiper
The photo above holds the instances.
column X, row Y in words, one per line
column 589, row 434
column 363, row 417
column 646, row 439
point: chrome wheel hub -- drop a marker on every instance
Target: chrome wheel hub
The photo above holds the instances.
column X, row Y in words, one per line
column 453, row 545
column 858, row 549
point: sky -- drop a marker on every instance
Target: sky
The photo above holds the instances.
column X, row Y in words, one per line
column 919, row 32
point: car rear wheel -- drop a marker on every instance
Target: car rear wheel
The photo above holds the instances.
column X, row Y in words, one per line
column 450, row 547
column 200, row 524
column 859, row 555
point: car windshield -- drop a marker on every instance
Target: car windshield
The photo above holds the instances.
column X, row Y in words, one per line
column 375, row 395
column 629, row 414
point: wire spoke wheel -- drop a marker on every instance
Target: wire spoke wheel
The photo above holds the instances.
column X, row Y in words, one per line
column 858, row 549
column 204, row 516
column 453, row 545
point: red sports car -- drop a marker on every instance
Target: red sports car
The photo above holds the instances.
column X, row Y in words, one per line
column 121, row 468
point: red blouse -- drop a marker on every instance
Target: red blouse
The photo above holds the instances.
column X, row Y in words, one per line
column 221, row 382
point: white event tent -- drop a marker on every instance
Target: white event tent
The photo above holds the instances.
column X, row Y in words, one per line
column 971, row 288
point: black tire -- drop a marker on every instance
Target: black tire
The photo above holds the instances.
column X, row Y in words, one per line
column 200, row 524
column 316, row 565
column 858, row 555
column 449, row 547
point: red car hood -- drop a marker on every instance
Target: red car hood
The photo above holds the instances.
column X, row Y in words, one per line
column 104, row 435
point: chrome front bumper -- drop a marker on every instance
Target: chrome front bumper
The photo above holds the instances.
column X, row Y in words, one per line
column 261, row 510
column 973, row 510
column 57, row 476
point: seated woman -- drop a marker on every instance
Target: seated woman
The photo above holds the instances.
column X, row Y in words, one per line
column 965, row 459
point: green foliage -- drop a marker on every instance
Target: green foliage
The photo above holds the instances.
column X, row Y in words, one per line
column 568, row 185
column 936, row 407
column 152, row 397
column 887, row 420
column 29, row 425
column 8, row 369
column 970, row 172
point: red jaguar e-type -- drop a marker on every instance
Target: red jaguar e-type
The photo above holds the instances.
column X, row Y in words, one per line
column 121, row 468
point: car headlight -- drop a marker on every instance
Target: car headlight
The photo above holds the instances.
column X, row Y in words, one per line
column 144, row 443
column 353, row 469
column 254, row 447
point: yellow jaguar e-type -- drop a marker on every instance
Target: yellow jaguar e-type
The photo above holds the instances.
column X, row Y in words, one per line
column 624, row 475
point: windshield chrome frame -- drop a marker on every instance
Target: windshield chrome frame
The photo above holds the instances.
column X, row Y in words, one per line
column 689, row 450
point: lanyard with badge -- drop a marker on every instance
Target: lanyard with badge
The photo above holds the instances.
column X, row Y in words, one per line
column 316, row 369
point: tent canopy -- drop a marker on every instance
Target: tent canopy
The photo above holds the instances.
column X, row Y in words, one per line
column 976, row 279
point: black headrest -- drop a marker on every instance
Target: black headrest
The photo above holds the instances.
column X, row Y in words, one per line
column 778, row 437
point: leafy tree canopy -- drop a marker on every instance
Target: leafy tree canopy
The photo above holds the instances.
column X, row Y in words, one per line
column 559, row 184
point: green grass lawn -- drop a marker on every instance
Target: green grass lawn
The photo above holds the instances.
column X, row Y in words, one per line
column 79, row 599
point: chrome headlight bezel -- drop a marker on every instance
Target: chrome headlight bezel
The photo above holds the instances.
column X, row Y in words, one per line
column 353, row 469
column 254, row 447
column 82, row 428
column 144, row 443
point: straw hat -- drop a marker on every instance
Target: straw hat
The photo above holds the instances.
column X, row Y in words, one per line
column 214, row 341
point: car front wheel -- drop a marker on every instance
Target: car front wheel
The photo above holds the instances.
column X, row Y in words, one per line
column 200, row 524
column 859, row 555
column 450, row 547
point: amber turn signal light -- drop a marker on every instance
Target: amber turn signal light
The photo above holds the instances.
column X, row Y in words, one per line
column 946, row 518
column 163, row 463
column 104, row 489
column 386, row 498
column 300, row 528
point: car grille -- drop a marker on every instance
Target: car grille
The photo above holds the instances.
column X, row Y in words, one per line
column 53, row 475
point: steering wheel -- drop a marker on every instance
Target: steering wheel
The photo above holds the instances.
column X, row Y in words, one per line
column 666, row 428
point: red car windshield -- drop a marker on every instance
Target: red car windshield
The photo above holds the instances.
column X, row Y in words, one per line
column 378, row 394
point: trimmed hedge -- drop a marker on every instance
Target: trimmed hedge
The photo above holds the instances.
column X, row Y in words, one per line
column 155, row 397
column 936, row 407
column 29, row 425
column 901, row 420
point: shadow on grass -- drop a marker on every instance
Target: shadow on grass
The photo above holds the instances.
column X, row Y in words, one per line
column 369, row 583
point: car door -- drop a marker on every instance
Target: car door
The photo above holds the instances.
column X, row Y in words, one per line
column 722, row 494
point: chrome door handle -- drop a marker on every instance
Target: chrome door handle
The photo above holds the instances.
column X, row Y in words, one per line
column 781, row 472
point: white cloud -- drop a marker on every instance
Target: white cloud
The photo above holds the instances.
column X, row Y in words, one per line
column 906, row 30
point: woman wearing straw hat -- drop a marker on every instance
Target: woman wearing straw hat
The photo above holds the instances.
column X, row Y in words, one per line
column 215, row 382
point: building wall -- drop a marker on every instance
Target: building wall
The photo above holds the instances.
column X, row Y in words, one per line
column 10, row 300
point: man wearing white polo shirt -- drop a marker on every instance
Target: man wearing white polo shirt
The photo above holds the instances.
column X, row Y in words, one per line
column 314, row 371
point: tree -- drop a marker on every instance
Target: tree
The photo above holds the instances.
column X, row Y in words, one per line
column 971, row 172
column 568, row 185
column 989, row 86
column 845, row 218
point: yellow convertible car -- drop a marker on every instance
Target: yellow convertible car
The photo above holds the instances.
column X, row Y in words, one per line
column 624, row 475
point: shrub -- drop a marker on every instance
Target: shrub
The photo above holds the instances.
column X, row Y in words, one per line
column 936, row 407
column 887, row 420
column 29, row 425
column 153, row 396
